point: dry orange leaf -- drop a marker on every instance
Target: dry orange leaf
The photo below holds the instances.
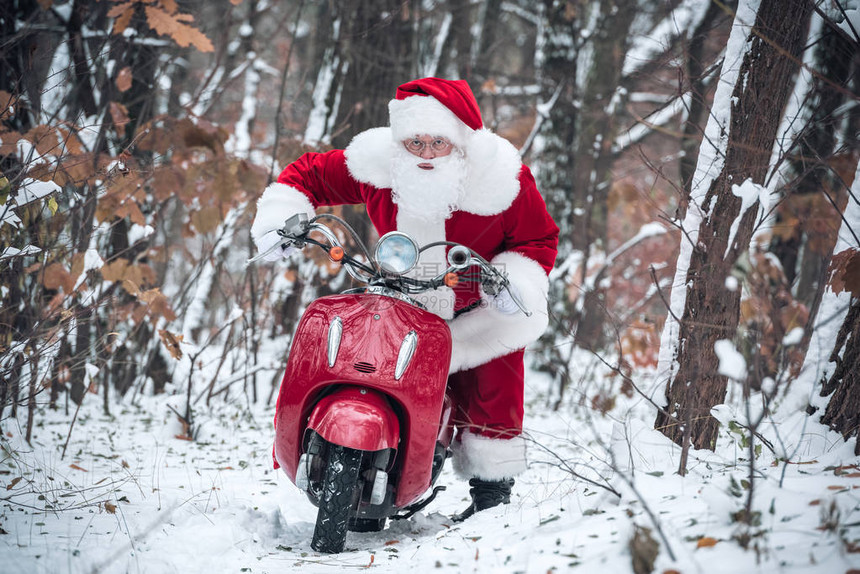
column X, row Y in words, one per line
column 173, row 25
column 110, row 507
column 76, row 467
column 123, row 79
column 206, row 219
column 133, row 275
column 119, row 115
column 390, row 542
column 119, row 9
column 158, row 305
column 171, row 342
column 56, row 275
column 844, row 271
column 6, row 100
column 706, row 542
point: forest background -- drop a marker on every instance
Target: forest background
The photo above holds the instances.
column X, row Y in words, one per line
column 699, row 157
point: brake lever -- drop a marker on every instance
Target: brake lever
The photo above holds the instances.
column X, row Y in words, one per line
column 295, row 229
column 517, row 301
column 497, row 281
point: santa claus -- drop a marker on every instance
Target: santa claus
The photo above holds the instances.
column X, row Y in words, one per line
column 437, row 174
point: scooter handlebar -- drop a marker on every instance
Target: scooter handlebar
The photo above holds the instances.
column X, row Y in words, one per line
column 296, row 231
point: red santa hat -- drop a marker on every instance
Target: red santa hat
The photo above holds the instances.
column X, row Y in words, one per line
column 435, row 107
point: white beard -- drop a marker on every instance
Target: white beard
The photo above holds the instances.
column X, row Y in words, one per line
column 425, row 199
column 430, row 195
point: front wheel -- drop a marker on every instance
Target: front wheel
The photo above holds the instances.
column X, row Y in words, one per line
column 340, row 491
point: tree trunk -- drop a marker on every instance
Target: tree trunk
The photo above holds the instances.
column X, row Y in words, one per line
column 484, row 44
column 378, row 51
column 799, row 243
column 711, row 309
column 377, row 45
column 592, row 178
column 843, row 410
column 454, row 60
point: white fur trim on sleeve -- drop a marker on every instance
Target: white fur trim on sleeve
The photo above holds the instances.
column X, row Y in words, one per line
column 278, row 203
column 368, row 157
column 494, row 166
column 477, row 456
column 485, row 333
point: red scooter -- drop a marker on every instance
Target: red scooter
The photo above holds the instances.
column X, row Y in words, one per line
column 363, row 420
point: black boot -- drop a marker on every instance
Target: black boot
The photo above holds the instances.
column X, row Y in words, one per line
column 486, row 494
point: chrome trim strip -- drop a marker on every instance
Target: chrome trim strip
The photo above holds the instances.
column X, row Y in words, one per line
column 335, row 330
column 407, row 349
column 385, row 292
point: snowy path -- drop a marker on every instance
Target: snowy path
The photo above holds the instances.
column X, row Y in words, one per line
column 130, row 497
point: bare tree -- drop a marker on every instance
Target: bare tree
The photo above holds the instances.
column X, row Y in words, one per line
column 718, row 228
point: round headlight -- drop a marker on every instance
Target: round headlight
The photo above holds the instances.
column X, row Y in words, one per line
column 396, row 253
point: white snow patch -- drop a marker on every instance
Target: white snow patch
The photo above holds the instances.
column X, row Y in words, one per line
column 137, row 232
column 11, row 252
column 851, row 25
column 793, row 337
column 731, row 283
column 732, row 363
column 33, row 189
column 750, row 194
column 91, row 372
column 92, row 260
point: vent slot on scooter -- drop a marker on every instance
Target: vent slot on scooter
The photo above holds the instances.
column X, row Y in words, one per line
column 364, row 367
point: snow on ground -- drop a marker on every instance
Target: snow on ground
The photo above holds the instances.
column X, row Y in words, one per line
column 131, row 497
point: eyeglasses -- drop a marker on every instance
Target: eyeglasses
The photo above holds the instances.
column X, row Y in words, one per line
column 416, row 145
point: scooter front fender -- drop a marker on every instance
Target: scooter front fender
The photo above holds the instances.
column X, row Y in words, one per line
column 356, row 417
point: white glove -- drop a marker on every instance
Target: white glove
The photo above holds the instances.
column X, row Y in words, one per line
column 503, row 302
column 271, row 239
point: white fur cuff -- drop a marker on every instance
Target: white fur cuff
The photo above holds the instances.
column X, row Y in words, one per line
column 477, row 456
column 278, row 203
column 486, row 333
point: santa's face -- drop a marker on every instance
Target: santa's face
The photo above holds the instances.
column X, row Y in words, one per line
column 428, row 147
column 427, row 174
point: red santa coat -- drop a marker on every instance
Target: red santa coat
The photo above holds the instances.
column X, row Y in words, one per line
column 503, row 217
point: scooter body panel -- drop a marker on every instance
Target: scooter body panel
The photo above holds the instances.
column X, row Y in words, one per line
column 373, row 329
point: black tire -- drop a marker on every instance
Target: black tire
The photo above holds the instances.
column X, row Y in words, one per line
column 366, row 524
column 337, row 500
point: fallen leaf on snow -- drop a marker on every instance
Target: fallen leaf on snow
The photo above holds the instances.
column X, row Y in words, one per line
column 706, row 542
